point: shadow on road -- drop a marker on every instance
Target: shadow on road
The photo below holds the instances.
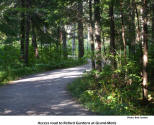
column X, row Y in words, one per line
column 42, row 94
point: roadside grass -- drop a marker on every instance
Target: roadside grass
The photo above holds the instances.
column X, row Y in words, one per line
column 12, row 66
column 16, row 72
column 106, row 100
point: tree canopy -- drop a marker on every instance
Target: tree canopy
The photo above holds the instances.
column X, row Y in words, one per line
column 116, row 35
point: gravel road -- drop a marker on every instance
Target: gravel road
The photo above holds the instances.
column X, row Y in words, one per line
column 42, row 94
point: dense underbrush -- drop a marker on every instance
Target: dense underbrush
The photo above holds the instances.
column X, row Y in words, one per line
column 110, row 94
column 12, row 67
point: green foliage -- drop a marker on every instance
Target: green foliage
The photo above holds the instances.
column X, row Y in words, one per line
column 110, row 94
column 116, row 89
column 46, row 22
column 13, row 68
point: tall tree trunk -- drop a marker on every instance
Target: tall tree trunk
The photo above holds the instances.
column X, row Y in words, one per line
column 98, row 36
column 103, row 43
column 27, row 31
column 145, row 50
column 92, row 35
column 22, row 30
column 60, row 41
column 34, row 43
column 80, row 29
column 58, row 37
column 139, row 34
column 64, row 35
column 138, row 24
column 73, row 42
column 123, row 30
column 112, row 34
column 152, row 22
column 132, row 29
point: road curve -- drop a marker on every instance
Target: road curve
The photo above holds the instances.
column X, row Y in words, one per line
column 42, row 94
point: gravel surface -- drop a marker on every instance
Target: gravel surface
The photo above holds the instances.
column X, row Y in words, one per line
column 42, row 94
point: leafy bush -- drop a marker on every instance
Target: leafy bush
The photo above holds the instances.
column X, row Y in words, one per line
column 13, row 68
column 110, row 94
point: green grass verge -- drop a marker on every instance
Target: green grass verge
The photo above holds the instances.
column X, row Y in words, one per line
column 104, row 100
column 17, row 71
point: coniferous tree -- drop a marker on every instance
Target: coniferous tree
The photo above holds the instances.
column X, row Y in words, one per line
column 92, row 34
column 132, row 30
column 34, row 42
column 80, row 29
column 123, row 29
column 64, row 35
column 27, row 30
column 112, row 32
column 22, row 30
column 153, row 21
column 145, row 49
column 98, row 35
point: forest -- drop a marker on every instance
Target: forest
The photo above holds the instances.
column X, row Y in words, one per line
column 115, row 37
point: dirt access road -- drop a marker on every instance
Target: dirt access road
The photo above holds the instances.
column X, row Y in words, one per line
column 42, row 94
